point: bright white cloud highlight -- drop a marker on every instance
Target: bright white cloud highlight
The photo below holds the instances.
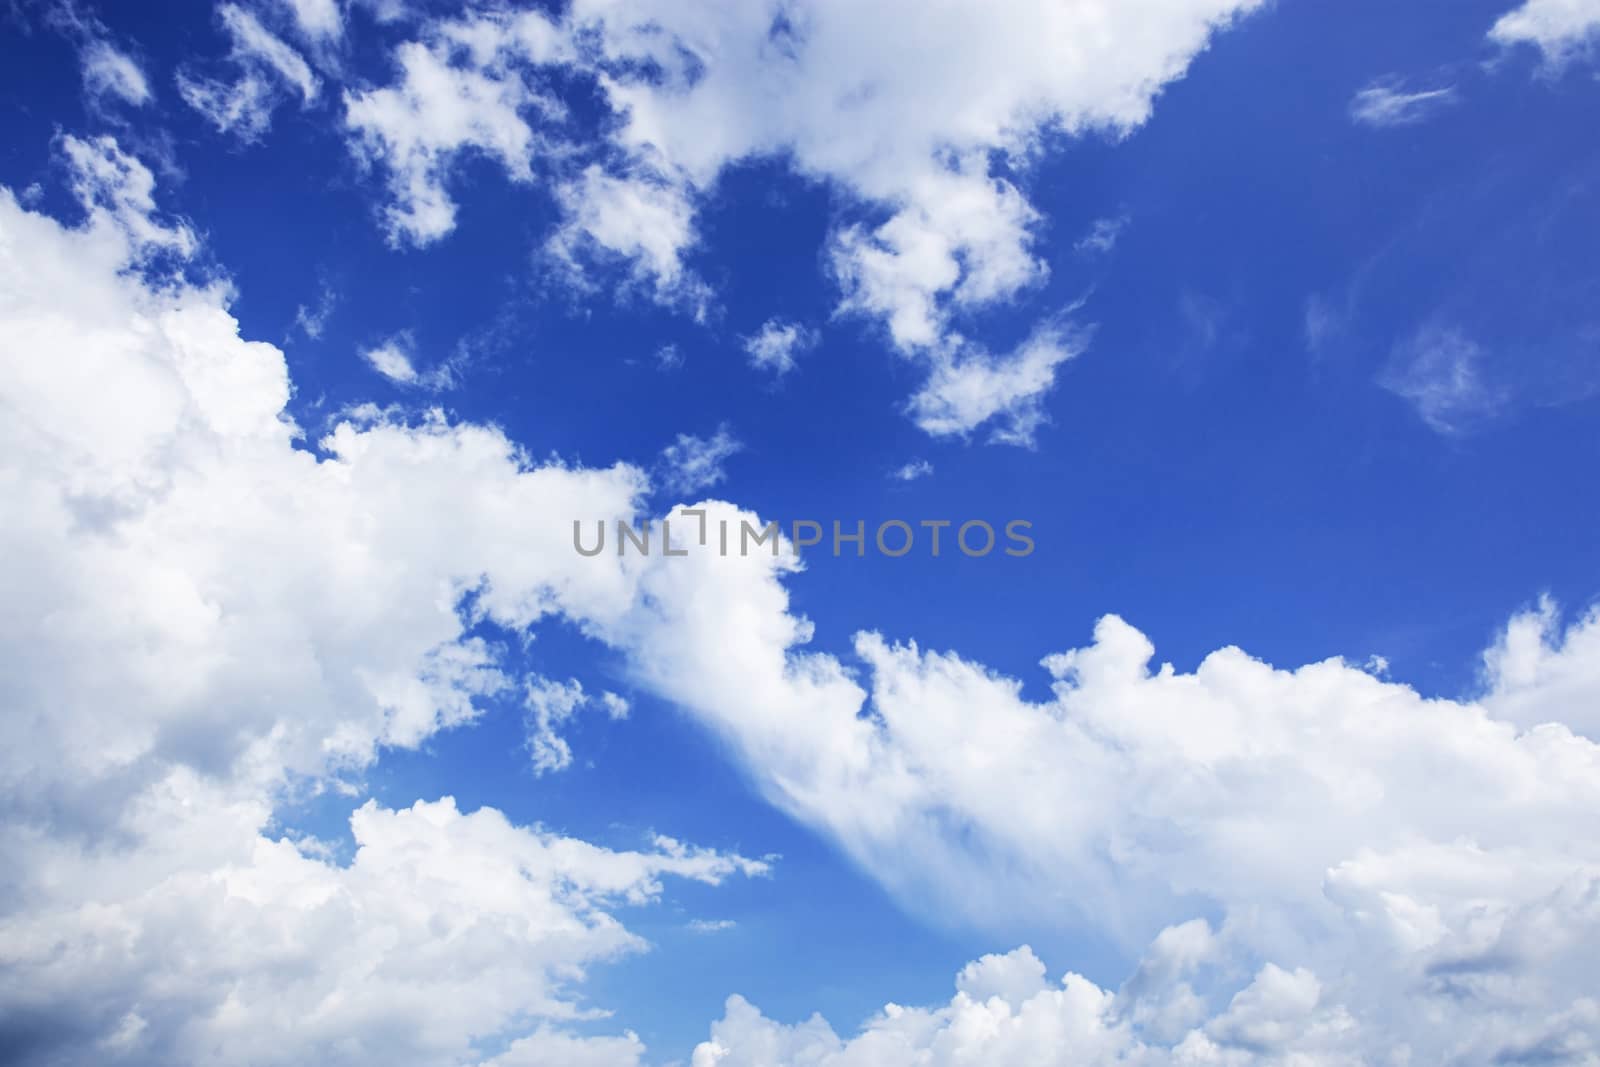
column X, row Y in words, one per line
column 973, row 388
column 317, row 20
column 643, row 221
column 1563, row 30
column 438, row 110
column 1387, row 872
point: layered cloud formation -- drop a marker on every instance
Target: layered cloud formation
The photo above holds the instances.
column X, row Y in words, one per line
column 1322, row 863
column 210, row 612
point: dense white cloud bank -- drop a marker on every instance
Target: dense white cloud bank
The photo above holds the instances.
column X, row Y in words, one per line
column 1380, row 877
column 202, row 616
column 927, row 156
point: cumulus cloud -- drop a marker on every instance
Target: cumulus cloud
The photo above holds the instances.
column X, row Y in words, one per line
column 1385, row 103
column 1007, row 1014
column 1563, row 30
column 692, row 463
column 206, row 615
column 267, row 70
column 1391, row 872
column 450, row 99
column 640, row 220
column 1372, row 870
column 934, row 227
column 775, row 346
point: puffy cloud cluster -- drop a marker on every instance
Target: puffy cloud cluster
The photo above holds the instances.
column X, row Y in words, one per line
column 1563, row 30
column 1309, row 866
column 1313, row 865
column 929, row 157
column 1391, row 879
column 205, row 614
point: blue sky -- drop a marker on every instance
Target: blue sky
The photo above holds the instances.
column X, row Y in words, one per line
column 324, row 320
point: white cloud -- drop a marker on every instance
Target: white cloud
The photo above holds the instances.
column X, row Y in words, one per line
column 691, row 463
column 1102, row 236
column 317, row 20
column 439, row 110
column 1439, row 370
column 775, row 345
column 1383, row 874
column 1563, row 30
column 1385, row 104
column 312, row 321
column 1006, row 1014
column 668, row 357
column 551, row 705
column 203, row 616
column 1537, row 671
column 972, row 388
column 910, row 472
column 711, row 926
column 642, row 220
column 393, row 360
column 617, row 707
column 108, row 71
column 266, row 66
column 545, row 1047
column 931, row 229
column 118, row 192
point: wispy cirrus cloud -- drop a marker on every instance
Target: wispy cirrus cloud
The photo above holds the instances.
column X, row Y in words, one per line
column 1387, row 103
